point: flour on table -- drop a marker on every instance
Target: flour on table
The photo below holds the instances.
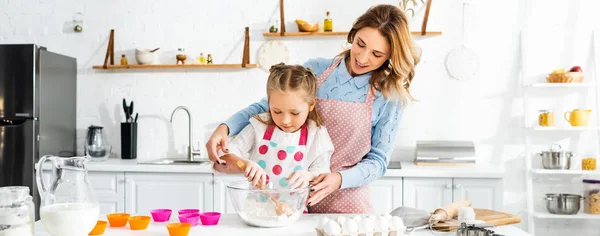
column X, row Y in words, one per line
column 263, row 214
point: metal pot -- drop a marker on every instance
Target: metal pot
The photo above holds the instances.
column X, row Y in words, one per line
column 557, row 160
column 563, row 204
column 472, row 230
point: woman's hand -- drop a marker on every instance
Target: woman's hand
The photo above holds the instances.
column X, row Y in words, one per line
column 218, row 140
column 322, row 186
column 300, row 179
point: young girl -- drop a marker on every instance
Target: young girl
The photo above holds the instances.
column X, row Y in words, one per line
column 287, row 146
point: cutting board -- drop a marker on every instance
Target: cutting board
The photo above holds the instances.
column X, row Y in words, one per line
column 488, row 216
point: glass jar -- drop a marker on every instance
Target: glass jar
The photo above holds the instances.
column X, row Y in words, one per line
column 16, row 211
column 591, row 193
column 588, row 163
column 546, row 118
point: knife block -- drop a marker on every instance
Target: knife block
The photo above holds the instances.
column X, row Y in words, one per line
column 128, row 140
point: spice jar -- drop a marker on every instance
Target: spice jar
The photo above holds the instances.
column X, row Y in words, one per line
column 591, row 193
column 17, row 214
column 123, row 60
column 588, row 163
column 546, row 118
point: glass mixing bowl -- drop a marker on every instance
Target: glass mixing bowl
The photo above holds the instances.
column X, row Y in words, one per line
column 257, row 208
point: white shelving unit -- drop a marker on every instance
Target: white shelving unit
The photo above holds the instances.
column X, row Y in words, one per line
column 530, row 131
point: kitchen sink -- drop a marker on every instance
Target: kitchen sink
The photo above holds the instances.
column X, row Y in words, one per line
column 177, row 161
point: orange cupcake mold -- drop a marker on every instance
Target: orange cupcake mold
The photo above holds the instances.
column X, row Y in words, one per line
column 117, row 219
column 99, row 228
column 139, row 222
column 179, row 229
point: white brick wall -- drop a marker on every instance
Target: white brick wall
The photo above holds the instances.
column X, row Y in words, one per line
column 484, row 110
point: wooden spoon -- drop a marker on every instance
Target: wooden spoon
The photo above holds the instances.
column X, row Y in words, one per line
column 280, row 207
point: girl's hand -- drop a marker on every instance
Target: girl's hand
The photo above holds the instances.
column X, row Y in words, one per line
column 218, row 140
column 322, row 186
column 255, row 174
column 300, row 179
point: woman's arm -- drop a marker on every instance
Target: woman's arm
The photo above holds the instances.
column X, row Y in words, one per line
column 239, row 120
column 383, row 136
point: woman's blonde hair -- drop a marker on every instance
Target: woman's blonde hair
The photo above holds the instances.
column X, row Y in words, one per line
column 285, row 78
column 396, row 74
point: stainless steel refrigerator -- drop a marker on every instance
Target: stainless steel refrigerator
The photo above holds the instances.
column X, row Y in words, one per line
column 37, row 111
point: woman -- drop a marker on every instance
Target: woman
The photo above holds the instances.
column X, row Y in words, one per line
column 361, row 119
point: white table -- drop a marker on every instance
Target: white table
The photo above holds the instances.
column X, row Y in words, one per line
column 231, row 224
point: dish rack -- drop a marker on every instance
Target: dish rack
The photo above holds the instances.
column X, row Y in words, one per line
column 572, row 83
column 376, row 233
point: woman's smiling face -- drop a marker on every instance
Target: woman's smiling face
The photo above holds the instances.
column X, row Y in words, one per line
column 370, row 49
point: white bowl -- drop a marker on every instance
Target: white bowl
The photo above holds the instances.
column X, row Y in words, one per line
column 144, row 56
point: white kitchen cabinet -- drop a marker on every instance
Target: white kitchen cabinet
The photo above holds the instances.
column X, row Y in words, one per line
column 147, row 191
column 386, row 194
column 427, row 193
column 484, row 193
column 222, row 200
column 431, row 193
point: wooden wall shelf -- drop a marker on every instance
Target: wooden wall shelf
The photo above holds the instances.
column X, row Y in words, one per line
column 173, row 66
column 319, row 34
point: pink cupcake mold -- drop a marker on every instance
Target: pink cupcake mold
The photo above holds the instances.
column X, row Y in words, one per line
column 161, row 215
column 210, row 218
column 190, row 218
column 188, row 211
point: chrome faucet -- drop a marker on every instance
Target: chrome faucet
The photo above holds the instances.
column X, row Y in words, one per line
column 191, row 151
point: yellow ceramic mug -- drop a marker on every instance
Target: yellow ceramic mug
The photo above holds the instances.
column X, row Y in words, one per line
column 578, row 117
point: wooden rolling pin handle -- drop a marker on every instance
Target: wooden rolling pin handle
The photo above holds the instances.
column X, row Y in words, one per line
column 242, row 165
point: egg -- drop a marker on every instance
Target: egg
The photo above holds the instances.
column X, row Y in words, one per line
column 357, row 218
column 366, row 225
column 350, row 226
column 340, row 219
column 387, row 216
column 332, row 227
column 396, row 223
column 322, row 223
column 381, row 224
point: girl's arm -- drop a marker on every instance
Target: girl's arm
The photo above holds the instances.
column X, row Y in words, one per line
column 374, row 164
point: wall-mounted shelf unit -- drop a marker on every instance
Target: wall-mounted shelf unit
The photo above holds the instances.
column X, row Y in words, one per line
column 173, row 66
column 283, row 33
column 320, row 34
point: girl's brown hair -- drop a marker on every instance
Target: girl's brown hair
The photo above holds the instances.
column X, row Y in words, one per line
column 396, row 74
column 286, row 78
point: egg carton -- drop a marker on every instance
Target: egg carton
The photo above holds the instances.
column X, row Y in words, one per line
column 376, row 233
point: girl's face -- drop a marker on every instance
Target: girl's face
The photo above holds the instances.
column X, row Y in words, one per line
column 289, row 110
column 369, row 51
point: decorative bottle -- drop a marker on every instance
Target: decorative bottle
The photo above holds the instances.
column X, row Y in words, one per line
column 328, row 23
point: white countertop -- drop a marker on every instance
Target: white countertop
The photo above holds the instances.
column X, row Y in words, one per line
column 409, row 169
column 231, row 224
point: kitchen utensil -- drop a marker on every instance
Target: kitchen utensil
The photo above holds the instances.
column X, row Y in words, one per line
column 99, row 228
column 559, row 159
column 96, row 146
column 17, row 211
column 578, row 117
column 472, row 230
column 490, row 217
column 563, row 204
column 591, row 193
column 178, row 229
column 462, row 63
column 280, row 207
column 69, row 206
column 139, row 222
column 255, row 210
column 210, row 218
column 188, row 211
column 117, row 219
column 135, row 119
column 144, row 56
column 161, row 215
column 190, row 218
column 130, row 108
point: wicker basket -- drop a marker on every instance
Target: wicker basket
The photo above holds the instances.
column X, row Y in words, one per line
column 568, row 77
